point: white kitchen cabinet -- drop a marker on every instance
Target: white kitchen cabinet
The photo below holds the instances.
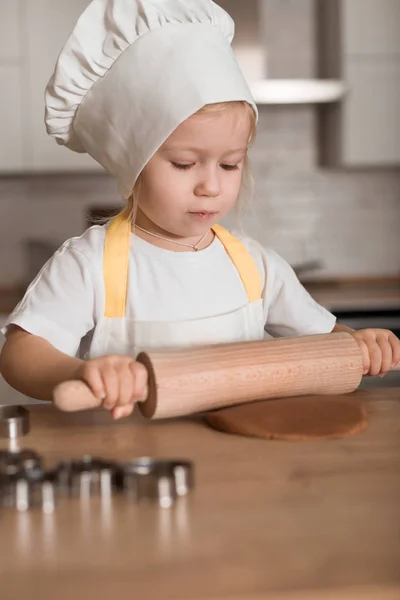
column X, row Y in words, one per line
column 32, row 33
column 370, row 27
column 49, row 23
column 11, row 140
column 371, row 113
column 368, row 124
column 11, row 119
column 10, row 40
column 364, row 131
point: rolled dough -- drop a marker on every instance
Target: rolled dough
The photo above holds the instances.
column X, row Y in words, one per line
column 295, row 419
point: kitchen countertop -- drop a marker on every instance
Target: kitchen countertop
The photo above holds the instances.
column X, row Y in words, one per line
column 303, row 521
column 356, row 295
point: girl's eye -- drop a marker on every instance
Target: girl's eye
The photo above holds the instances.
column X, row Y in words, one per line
column 185, row 167
column 230, row 167
column 181, row 167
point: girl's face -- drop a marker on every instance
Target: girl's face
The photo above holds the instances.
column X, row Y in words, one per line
column 193, row 180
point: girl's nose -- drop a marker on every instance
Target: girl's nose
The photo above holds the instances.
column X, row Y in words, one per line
column 208, row 184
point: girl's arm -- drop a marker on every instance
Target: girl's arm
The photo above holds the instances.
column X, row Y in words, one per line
column 33, row 366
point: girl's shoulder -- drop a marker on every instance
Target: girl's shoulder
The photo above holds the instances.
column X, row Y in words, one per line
column 89, row 245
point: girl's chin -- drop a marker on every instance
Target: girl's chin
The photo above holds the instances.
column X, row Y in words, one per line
column 194, row 225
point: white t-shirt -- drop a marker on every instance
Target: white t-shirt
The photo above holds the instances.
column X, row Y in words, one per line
column 66, row 300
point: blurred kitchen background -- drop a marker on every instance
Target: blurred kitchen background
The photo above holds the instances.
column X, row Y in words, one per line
column 326, row 76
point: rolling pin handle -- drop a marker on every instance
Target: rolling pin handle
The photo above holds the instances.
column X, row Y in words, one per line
column 75, row 395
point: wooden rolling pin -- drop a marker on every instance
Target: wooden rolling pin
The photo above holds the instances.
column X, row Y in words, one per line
column 200, row 379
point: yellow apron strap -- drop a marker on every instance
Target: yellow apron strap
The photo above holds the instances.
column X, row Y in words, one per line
column 115, row 267
column 243, row 262
column 116, row 258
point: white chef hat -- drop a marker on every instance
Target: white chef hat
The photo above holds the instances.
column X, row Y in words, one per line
column 132, row 71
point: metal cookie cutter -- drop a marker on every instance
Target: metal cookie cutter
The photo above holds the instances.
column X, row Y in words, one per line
column 14, row 421
column 146, row 479
column 182, row 471
column 20, row 461
column 87, row 476
column 34, row 488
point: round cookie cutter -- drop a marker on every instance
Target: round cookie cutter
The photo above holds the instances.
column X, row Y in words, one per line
column 157, row 480
column 87, row 476
column 19, row 461
column 32, row 489
column 14, row 422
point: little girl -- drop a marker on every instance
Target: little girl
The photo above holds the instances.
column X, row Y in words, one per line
column 151, row 89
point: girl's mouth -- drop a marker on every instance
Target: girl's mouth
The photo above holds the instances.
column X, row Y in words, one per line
column 203, row 215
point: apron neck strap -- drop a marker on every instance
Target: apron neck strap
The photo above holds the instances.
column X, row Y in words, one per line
column 243, row 262
column 116, row 259
column 115, row 266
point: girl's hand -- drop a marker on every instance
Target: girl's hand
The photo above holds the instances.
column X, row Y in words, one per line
column 380, row 348
column 117, row 381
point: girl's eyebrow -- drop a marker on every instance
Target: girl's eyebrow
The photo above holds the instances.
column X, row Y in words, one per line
column 178, row 148
column 236, row 151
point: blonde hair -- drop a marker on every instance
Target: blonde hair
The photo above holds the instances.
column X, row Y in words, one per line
column 246, row 190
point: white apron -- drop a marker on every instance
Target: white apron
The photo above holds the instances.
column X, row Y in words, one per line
column 114, row 334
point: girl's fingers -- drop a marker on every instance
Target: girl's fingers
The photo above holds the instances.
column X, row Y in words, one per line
column 375, row 355
column 121, row 412
column 126, row 385
column 365, row 354
column 115, row 381
column 140, row 381
column 395, row 345
column 112, row 386
column 92, row 376
column 386, row 353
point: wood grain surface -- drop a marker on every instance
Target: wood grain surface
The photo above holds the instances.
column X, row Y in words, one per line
column 197, row 379
column 192, row 380
column 267, row 519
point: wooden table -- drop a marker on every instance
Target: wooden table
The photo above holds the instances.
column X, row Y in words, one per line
column 356, row 295
column 301, row 521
